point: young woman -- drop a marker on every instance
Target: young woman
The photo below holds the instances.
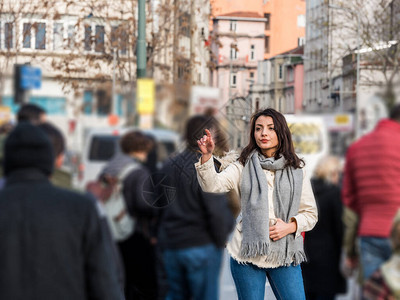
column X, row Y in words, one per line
column 277, row 204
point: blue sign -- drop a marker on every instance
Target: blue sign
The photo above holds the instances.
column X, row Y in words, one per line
column 31, row 78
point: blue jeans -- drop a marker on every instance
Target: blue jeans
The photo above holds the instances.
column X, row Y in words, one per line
column 286, row 282
column 193, row 273
column 373, row 252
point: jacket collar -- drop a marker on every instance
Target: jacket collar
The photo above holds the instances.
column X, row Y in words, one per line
column 23, row 175
column 388, row 123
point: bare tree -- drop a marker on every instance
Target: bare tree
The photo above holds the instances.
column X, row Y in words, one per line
column 378, row 22
column 10, row 43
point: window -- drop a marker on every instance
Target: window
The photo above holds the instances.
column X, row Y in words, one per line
column 257, row 104
column 99, row 39
column 114, row 36
column 266, row 44
column 301, row 21
column 88, row 38
column 184, row 24
column 280, row 71
column 8, row 35
column 119, row 38
column 181, row 72
column 26, row 35
column 103, row 103
column 58, row 36
column 268, row 22
column 52, row 105
column 234, row 52
column 124, row 40
column 290, row 74
column 252, row 52
column 251, row 74
column 120, row 105
column 71, row 36
column 88, row 102
column 233, row 26
column 40, row 37
column 39, row 34
column 301, row 41
column 233, row 79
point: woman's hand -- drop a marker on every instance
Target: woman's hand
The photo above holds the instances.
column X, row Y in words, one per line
column 281, row 229
column 206, row 146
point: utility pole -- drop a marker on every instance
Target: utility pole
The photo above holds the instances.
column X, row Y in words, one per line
column 141, row 44
column 114, row 100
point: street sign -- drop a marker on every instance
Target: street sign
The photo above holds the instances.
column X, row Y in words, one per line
column 145, row 96
column 31, row 77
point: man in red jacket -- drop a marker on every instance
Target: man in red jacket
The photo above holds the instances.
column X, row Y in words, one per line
column 371, row 188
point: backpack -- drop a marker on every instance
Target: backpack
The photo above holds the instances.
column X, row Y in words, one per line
column 109, row 192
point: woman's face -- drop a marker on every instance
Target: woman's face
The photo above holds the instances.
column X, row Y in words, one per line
column 265, row 135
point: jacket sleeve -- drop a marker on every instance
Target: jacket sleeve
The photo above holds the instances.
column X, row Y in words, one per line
column 101, row 276
column 223, row 182
column 350, row 221
column 219, row 216
column 307, row 216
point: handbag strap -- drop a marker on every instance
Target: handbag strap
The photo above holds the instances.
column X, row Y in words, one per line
column 127, row 170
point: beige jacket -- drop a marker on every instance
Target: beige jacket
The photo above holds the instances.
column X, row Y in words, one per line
column 230, row 178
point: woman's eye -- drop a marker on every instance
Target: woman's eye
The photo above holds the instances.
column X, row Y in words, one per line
column 258, row 129
column 271, row 128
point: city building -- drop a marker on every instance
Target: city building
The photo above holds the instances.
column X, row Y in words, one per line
column 280, row 82
column 87, row 55
column 285, row 26
column 285, row 21
column 238, row 46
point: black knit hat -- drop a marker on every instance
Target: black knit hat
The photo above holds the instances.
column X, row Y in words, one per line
column 27, row 146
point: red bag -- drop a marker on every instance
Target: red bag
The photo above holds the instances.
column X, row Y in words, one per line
column 102, row 188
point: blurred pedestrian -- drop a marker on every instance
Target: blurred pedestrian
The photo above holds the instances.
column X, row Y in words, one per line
column 323, row 245
column 27, row 113
column 31, row 113
column 277, row 204
column 52, row 244
column 371, row 189
column 58, row 144
column 194, row 226
column 138, row 249
column 385, row 282
column 223, row 157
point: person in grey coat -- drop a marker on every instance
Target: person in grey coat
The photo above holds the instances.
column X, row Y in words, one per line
column 53, row 246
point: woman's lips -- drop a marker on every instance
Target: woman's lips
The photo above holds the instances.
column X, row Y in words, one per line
column 264, row 141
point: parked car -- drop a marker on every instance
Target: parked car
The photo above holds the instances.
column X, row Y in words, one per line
column 100, row 144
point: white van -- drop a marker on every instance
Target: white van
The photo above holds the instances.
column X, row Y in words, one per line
column 310, row 139
column 100, row 144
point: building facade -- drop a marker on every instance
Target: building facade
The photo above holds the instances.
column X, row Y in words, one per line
column 238, row 44
column 87, row 54
column 280, row 82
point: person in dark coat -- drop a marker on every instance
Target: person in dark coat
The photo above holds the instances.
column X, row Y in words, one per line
column 194, row 225
column 323, row 244
column 53, row 246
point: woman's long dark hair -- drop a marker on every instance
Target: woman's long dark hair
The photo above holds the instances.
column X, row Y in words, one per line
column 285, row 143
